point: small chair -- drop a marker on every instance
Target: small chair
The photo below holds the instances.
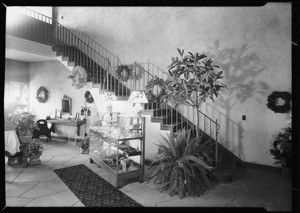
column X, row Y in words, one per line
column 43, row 130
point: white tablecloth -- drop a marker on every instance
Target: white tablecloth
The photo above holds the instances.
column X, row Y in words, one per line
column 12, row 143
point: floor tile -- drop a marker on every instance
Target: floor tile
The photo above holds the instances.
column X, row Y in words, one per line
column 148, row 196
column 79, row 204
column 57, row 179
column 38, row 175
column 220, row 196
column 52, row 144
column 62, row 151
column 60, row 159
column 11, row 176
column 133, row 186
column 13, row 168
column 16, row 189
column 17, row 202
column 255, row 199
column 45, row 188
column 79, row 159
column 45, row 159
column 62, row 199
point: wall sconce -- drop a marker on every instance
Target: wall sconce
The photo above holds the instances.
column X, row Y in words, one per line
column 137, row 98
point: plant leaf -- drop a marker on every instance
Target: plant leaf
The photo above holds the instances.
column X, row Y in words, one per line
column 198, row 161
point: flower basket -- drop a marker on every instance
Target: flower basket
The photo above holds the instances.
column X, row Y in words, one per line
column 32, row 152
column 34, row 159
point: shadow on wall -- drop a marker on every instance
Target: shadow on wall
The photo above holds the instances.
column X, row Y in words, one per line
column 241, row 70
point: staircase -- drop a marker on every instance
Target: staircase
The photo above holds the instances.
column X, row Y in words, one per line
column 73, row 51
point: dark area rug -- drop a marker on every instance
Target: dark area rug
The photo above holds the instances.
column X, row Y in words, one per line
column 92, row 190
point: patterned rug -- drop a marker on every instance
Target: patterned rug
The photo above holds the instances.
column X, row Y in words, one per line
column 92, row 190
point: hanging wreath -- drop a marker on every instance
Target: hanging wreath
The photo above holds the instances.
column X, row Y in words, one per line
column 123, row 73
column 42, row 94
column 78, row 77
column 88, row 97
column 156, row 81
column 274, row 99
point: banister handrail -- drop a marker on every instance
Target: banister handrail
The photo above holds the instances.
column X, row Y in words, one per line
column 16, row 8
column 65, row 29
column 97, row 44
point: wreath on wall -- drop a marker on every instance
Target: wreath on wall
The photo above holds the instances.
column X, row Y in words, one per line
column 78, row 77
column 123, row 73
column 88, row 97
column 42, row 94
column 274, row 98
column 156, row 81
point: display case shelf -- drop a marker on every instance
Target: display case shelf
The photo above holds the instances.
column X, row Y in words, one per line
column 118, row 146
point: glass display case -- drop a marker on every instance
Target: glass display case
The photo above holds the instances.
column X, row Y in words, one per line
column 117, row 145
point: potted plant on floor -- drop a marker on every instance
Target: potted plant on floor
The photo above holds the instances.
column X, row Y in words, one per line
column 23, row 123
column 282, row 150
column 182, row 166
column 32, row 152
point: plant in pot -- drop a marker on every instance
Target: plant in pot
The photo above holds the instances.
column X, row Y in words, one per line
column 23, row 122
column 282, row 150
column 32, row 152
column 192, row 80
column 181, row 165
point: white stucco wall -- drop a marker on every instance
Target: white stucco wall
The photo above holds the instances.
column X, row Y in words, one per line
column 251, row 44
column 53, row 75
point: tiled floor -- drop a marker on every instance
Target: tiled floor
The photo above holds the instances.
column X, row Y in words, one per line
column 40, row 186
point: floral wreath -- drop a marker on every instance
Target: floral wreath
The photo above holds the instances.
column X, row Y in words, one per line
column 78, row 76
column 123, row 73
column 272, row 102
column 156, row 81
column 42, row 94
column 88, row 97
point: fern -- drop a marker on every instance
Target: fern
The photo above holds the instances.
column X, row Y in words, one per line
column 182, row 166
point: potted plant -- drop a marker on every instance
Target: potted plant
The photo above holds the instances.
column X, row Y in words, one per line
column 282, row 150
column 181, row 165
column 192, row 80
column 23, row 122
column 32, row 152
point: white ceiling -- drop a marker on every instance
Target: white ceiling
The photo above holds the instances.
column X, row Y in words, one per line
column 25, row 50
column 24, row 56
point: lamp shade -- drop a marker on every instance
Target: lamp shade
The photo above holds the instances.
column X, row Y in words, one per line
column 138, row 97
column 110, row 96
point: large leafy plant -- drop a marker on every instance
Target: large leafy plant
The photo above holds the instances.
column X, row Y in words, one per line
column 282, row 147
column 192, row 80
column 22, row 121
column 181, row 165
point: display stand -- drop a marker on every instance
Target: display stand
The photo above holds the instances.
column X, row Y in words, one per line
column 117, row 144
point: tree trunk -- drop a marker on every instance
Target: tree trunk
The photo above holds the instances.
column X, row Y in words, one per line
column 198, row 123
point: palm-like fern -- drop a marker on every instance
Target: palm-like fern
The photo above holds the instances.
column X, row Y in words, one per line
column 182, row 165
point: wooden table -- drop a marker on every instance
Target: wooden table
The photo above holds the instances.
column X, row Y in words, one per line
column 68, row 123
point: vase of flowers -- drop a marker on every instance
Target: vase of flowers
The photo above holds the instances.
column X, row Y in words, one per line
column 84, row 146
column 282, row 150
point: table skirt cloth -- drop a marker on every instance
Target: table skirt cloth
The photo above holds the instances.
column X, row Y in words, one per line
column 12, row 144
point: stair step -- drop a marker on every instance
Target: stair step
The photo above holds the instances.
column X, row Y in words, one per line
column 157, row 120
column 166, row 127
column 148, row 112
